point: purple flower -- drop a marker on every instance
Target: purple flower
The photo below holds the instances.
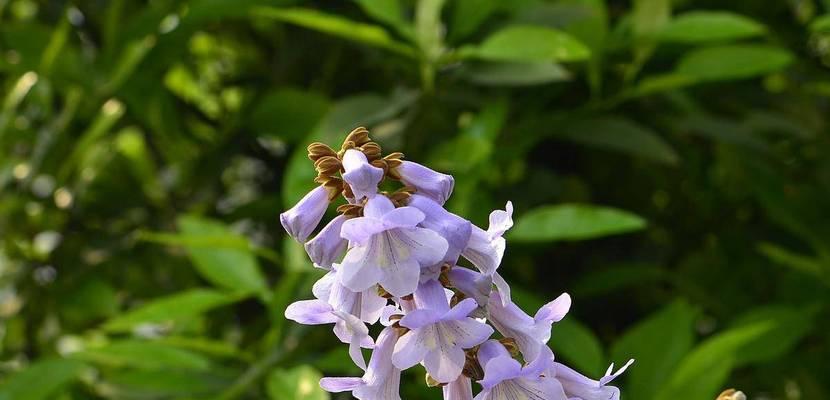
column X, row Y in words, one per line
column 327, row 247
column 485, row 249
column 531, row 334
column 381, row 380
column 471, row 283
column 348, row 328
column 301, row 219
column 455, row 229
column 361, row 176
column 459, row 389
column 366, row 305
column 438, row 334
column 580, row 387
column 506, row 379
column 388, row 248
column 432, row 184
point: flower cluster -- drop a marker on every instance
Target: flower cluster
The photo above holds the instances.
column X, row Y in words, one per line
column 392, row 258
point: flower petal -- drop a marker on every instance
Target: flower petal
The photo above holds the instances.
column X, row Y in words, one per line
column 403, row 217
column 461, row 310
column 445, row 363
column 361, row 230
column 337, row 385
column 469, row 332
column 358, row 271
column 328, row 246
column 459, row 389
column 411, row 348
column 555, row 310
column 310, row 312
column 500, row 369
column 303, row 218
column 361, row 176
column 434, row 185
column 427, row 246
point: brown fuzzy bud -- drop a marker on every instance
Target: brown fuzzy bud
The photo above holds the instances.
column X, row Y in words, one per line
column 318, row 150
column 359, row 136
column 472, row 368
column 350, row 210
column 372, row 151
column 511, row 346
column 328, row 165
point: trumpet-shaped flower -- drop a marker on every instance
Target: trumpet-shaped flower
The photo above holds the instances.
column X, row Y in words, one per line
column 439, row 334
column 366, row 305
column 388, row 248
column 361, row 176
column 348, row 328
column 328, row 246
column 432, row 184
column 382, row 379
column 580, row 387
column 303, row 218
column 530, row 334
column 506, row 379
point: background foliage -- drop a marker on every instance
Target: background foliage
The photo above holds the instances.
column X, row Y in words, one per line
column 667, row 159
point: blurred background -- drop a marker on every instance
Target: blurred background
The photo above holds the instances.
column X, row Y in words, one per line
column 667, row 160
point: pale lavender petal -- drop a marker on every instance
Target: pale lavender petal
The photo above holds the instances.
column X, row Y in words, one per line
column 358, row 271
column 426, row 246
column 472, row 284
column 310, row 312
column 454, row 229
column 512, row 322
column 459, row 389
column 435, row 185
column 419, row 318
column 387, row 313
column 500, row 221
column 351, row 330
column 483, row 252
column 303, row 218
column 445, row 363
column 500, row 369
column 411, row 348
column 377, row 207
column 526, row 389
column 382, row 379
column 400, row 278
column 322, row 288
column 579, row 386
column 609, row 376
column 461, row 310
column 361, row 230
column 543, row 362
column 432, row 296
column 489, row 350
column 403, row 217
column 468, row 332
column 503, row 288
column 555, row 310
column 337, row 385
column 361, row 176
column 328, row 246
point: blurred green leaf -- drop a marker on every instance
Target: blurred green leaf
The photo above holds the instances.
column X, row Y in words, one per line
column 623, row 135
column 787, row 258
column 701, row 374
column 338, row 26
column 171, row 308
column 733, row 62
column 298, row 383
column 575, row 343
column 658, row 343
column 289, row 114
column 617, row 277
column 710, row 26
column 233, row 269
column 468, row 15
column 791, row 325
column 387, row 11
column 165, row 383
column 144, row 355
column 573, row 222
column 41, row 380
column 526, row 43
column 514, row 73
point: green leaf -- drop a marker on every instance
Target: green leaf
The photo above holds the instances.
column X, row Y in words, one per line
column 621, row 135
column 791, row 325
column 144, row 355
column 290, row 114
column 573, row 222
column 164, row 383
column 468, row 15
column 527, row 43
column 298, row 383
column 658, row 343
column 514, row 73
column 787, row 258
column 702, row 373
column 234, row 269
column 575, row 343
column 338, row 26
column 733, row 62
column 41, row 380
column 710, row 26
column 389, row 12
column 617, row 277
column 174, row 308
